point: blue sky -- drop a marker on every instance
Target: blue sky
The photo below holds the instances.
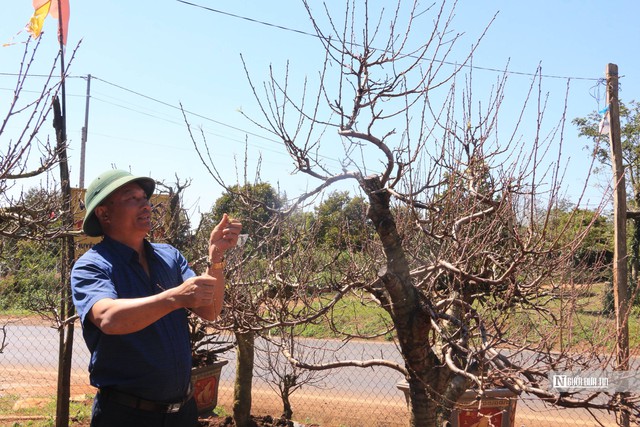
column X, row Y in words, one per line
column 168, row 53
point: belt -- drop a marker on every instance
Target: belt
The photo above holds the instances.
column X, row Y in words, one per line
column 143, row 404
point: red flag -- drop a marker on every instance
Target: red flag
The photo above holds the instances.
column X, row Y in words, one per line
column 49, row 7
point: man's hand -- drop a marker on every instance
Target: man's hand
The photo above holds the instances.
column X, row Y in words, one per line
column 195, row 292
column 223, row 237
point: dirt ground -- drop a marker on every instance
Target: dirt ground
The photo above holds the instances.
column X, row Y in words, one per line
column 261, row 421
column 310, row 410
column 265, row 421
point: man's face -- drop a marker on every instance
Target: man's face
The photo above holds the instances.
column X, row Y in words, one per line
column 126, row 212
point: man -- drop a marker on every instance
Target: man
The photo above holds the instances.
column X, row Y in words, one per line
column 132, row 297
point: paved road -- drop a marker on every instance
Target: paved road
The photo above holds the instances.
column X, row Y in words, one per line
column 35, row 348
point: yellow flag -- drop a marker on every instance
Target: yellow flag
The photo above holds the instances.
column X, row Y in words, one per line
column 34, row 27
column 55, row 8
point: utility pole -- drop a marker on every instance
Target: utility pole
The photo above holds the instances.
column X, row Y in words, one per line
column 85, row 131
column 620, row 276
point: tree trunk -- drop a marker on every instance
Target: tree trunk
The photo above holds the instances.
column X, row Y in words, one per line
column 287, row 412
column 428, row 379
column 433, row 396
column 287, row 383
column 244, row 378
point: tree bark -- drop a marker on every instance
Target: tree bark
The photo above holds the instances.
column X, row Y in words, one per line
column 287, row 412
column 244, row 378
column 427, row 377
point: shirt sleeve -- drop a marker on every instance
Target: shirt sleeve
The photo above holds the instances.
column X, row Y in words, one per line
column 185, row 269
column 90, row 282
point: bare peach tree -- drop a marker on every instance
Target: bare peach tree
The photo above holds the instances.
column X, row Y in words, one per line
column 18, row 216
column 31, row 202
column 36, row 246
column 272, row 364
column 33, row 216
column 469, row 257
column 274, row 279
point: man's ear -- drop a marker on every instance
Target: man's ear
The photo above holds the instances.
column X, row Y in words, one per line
column 101, row 213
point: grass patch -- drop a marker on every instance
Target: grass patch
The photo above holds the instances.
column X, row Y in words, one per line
column 573, row 319
column 40, row 412
column 591, row 326
column 358, row 317
column 16, row 312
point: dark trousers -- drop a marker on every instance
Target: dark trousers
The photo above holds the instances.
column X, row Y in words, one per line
column 107, row 413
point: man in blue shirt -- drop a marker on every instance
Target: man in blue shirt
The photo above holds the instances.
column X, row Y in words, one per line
column 132, row 297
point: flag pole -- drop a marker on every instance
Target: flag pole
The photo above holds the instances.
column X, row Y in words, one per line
column 61, row 36
column 66, row 322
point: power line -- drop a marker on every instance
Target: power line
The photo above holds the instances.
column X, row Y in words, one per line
column 305, row 33
column 246, row 18
column 293, row 30
column 172, row 106
column 174, row 122
column 136, row 110
column 40, row 75
column 166, row 104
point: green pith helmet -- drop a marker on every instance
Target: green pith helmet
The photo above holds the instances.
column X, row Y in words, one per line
column 101, row 188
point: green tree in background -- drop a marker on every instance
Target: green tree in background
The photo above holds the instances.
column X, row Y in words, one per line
column 29, row 278
column 172, row 217
column 29, row 275
column 342, row 220
column 255, row 204
column 596, row 246
column 589, row 127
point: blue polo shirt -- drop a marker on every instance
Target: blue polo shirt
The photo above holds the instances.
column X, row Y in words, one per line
column 154, row 363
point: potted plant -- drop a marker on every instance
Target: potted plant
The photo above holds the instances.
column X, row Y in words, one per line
column 206, row 348
column 497, row 407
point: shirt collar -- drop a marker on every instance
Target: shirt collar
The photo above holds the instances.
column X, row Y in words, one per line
column 126, row 252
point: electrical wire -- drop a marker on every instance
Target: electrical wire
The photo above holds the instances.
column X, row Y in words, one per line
column 293, row 30
column 172, row 106
column 300, row 32
column 209, row 119
column 167, row 104
column 181, row 123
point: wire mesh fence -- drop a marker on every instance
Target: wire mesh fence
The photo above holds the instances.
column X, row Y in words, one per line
column 344, row 397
